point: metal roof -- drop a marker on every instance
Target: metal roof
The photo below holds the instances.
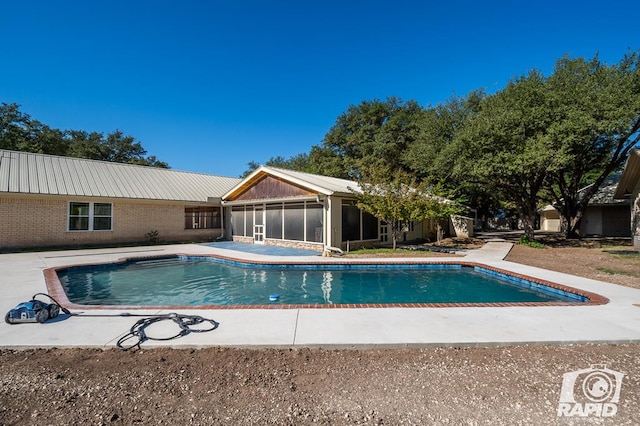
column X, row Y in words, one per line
column 29, row 173
column 322, row 184
column 327, row 184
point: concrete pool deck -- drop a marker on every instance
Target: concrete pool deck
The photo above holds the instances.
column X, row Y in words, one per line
column 21, row 276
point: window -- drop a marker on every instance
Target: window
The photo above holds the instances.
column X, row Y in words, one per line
column 357, row 224
column 350, row 222
column 369, row 226
column 274, row 221
column 314, row 222
column 202, row 218
column 248, row 223
column 90, row 216
column 237, row 221
column 294, row 222
column 405, row 226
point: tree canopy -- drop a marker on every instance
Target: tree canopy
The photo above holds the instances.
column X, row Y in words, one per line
column 541, row 139
column 299, row 162
column 399, row 199
column 19, row 132
column 596, row 123
column 503, row 147
column 373, row 134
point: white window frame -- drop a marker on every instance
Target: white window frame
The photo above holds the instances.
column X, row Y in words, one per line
column 91, row 216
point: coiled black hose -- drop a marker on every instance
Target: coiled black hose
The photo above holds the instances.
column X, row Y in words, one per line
column 138, row 334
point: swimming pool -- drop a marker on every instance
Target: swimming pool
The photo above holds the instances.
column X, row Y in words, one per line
column 215, row 282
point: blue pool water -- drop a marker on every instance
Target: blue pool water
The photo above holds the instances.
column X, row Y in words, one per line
column 208, row 281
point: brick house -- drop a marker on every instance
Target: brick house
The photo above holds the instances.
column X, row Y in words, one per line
column 48, row 201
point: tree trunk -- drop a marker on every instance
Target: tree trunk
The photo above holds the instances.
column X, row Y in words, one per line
column 528, row 213
column 573, row 228
column 438, row 233
column 529, row 227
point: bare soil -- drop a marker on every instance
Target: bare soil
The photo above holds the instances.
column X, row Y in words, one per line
column 509, row 385
column 612, row 261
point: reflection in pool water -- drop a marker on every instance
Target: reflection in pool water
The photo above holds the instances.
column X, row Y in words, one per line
column 210, row 281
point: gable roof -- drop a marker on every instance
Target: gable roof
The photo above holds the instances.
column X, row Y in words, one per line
column 29, row 173
column 321, row 184
column 630, row 175
column 605, row 193
column 605, row 196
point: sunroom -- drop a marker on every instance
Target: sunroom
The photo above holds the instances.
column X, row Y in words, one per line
column 287, row 208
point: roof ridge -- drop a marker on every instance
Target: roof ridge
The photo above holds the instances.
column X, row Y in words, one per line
column 115, row 163
column 310, row 174
column 37, row 173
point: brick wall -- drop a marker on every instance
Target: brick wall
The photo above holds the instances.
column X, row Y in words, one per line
column 32, row 221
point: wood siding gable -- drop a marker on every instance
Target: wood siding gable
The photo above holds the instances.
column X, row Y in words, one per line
column 271, row 187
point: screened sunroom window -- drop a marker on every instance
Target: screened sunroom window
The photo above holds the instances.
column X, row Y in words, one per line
column 237, row 220
column 248, row 222
column 294, row 222
column 274, row 221
column 369, row 226
column 314, row 223
column 350, row 222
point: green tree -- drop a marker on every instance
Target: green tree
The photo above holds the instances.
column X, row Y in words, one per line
column 427, row 155
column 324, row 160
column 397, row 199
column 14, row 127
column 371, row 134
column 298, row 162
column 85, row 144
column 19, row 132
column 251, row 167
column 432, row 156
column 504, row 146
column 116, row 147
column 596, row 111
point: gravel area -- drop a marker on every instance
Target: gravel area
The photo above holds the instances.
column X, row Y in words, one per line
column 509, row 385
column 516, row 385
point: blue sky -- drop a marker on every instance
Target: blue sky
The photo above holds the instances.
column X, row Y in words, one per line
column 208, row 86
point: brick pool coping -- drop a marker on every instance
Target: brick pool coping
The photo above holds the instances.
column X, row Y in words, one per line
column 56, row 290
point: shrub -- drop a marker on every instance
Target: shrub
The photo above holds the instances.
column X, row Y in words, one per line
column 525, row 240
column 152, row 237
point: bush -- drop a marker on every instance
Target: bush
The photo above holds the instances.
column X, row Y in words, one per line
column 152, row 237
column 525, row 240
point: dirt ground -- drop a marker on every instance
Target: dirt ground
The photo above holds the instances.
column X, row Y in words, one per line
column 510, row 385
column 612, row 261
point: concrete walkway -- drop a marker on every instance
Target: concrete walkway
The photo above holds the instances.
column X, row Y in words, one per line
column 618, row 321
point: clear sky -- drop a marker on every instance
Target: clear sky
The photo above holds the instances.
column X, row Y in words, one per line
column 208, row 86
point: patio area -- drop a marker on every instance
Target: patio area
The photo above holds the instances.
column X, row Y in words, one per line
column 617, row 321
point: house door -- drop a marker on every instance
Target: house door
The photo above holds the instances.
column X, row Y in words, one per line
column 258, row 225
column 384, row 232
